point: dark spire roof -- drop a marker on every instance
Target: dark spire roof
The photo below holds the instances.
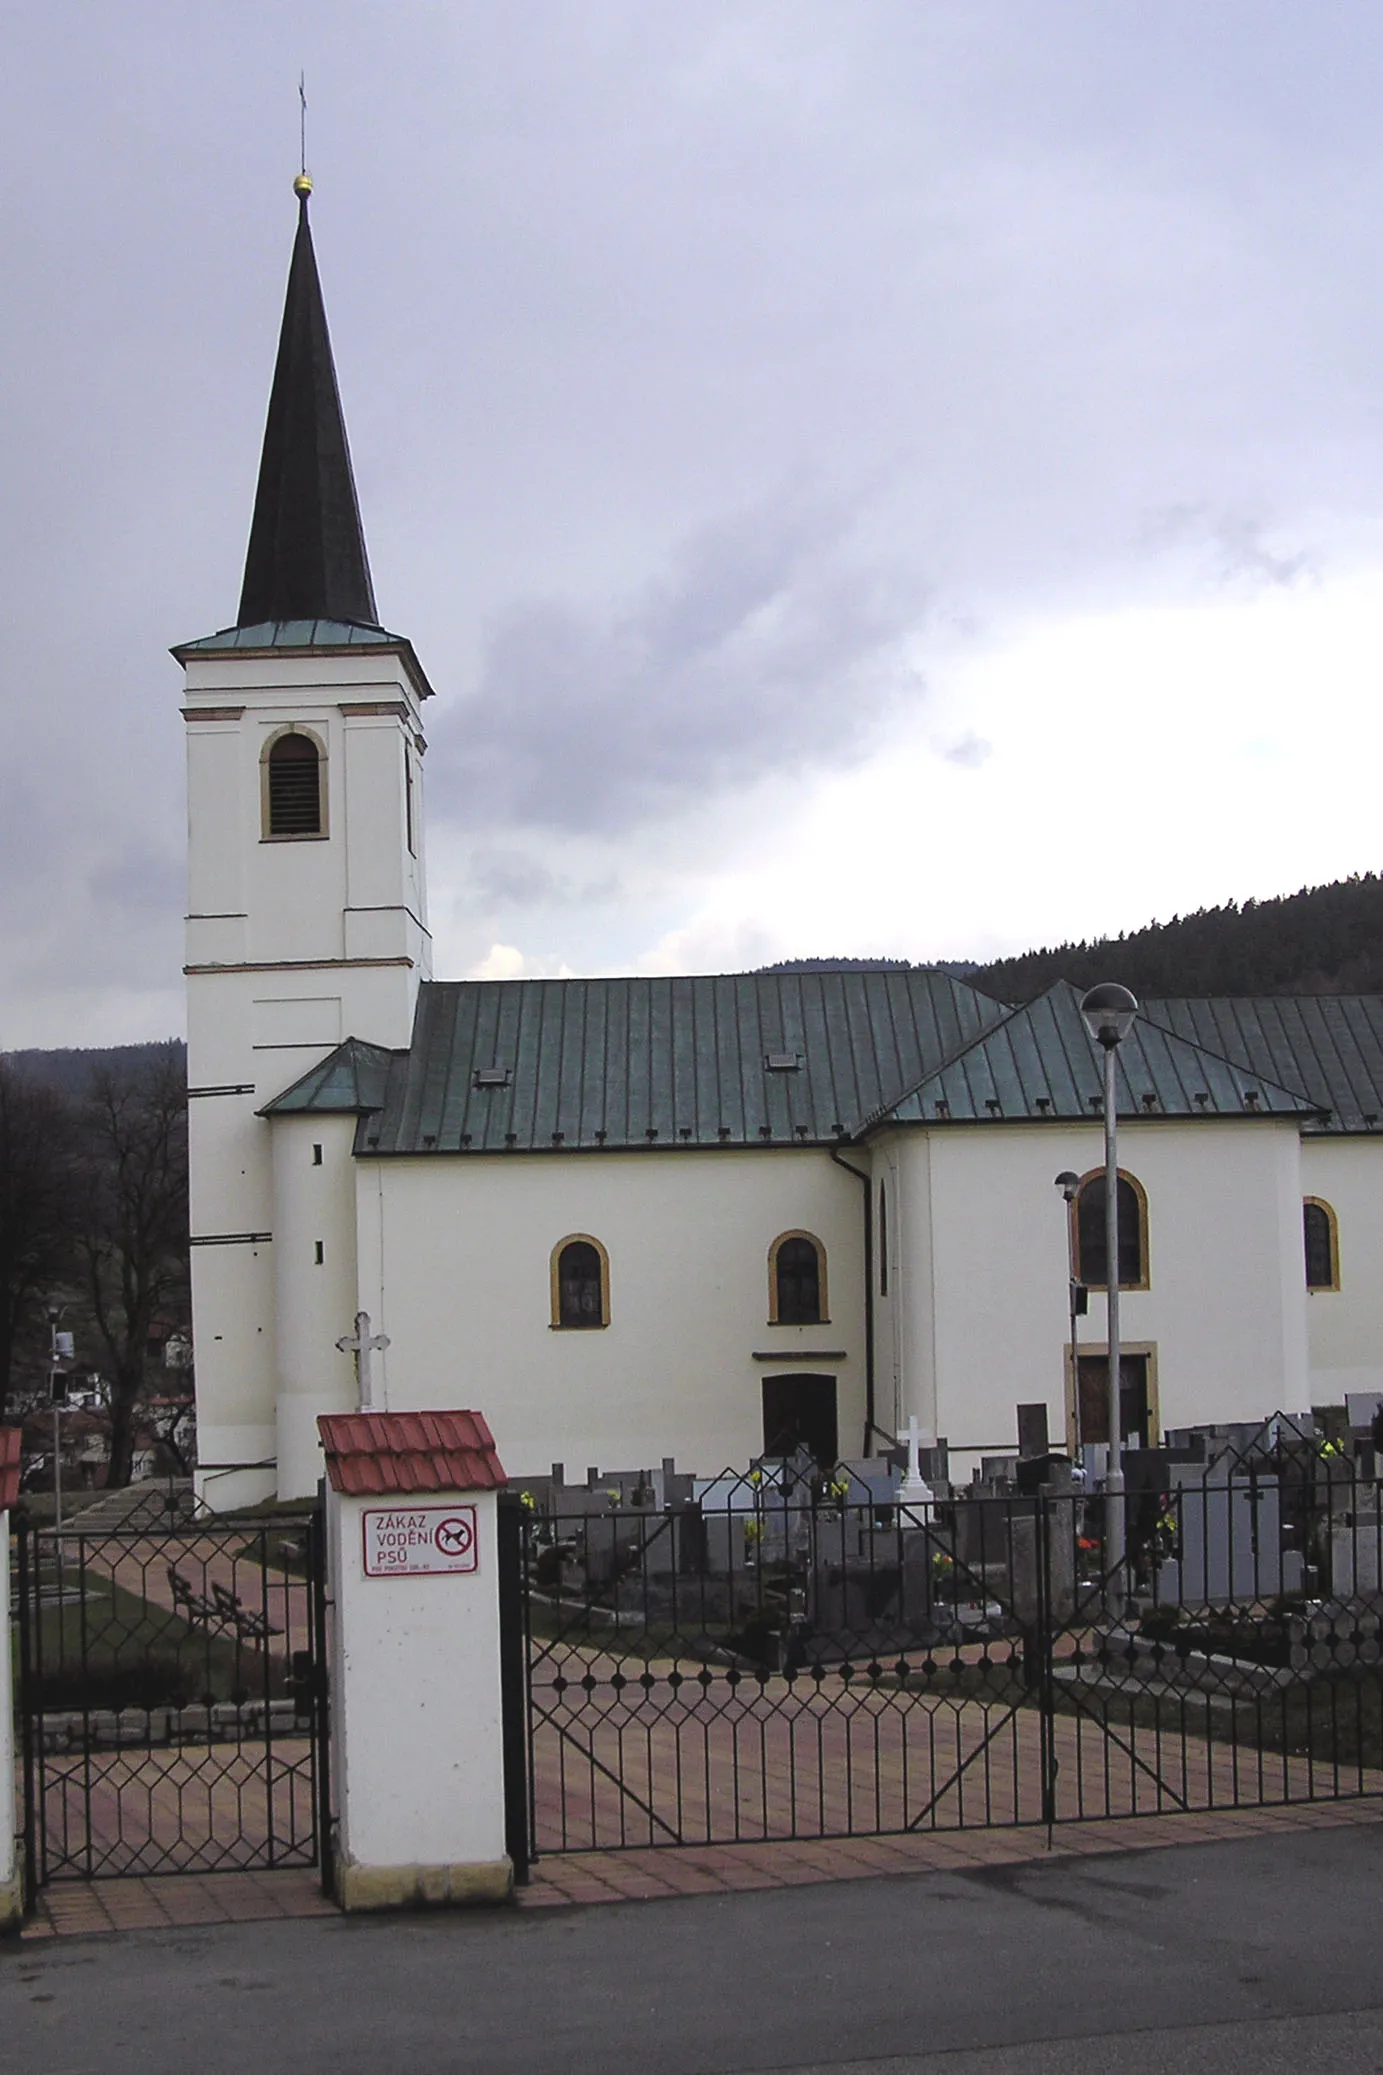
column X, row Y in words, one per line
column 306, row 558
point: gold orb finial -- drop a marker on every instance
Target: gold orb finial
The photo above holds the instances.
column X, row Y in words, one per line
column 302, row 185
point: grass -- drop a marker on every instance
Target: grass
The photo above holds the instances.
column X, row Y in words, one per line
column 117, row 1649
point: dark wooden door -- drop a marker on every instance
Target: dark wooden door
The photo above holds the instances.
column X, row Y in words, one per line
column 1133, row 1399
column 800, row 1411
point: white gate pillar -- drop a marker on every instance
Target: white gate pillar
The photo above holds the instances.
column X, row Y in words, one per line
column 416, row 1732
column 11, row 1885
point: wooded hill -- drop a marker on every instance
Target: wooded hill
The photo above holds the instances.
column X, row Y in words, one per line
column 1323, row 940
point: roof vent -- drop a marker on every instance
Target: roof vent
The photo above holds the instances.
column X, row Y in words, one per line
column 1150, row 1099
column 993, row 1105
column 1096, row 1102
column 1251, row 1098
column 782, row 1062
column 1044, row 1105
column 492, row 1077
column 1202, row 1098
column 943, row 1108
column 723, row 1131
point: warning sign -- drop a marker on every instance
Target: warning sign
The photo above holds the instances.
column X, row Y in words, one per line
column 419, row 1541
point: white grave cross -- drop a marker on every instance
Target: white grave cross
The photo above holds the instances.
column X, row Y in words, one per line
column 914, row 1489
column 362, row 1344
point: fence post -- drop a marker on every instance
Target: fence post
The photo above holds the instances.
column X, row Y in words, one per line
column 11, row 1883
column 413, row 1576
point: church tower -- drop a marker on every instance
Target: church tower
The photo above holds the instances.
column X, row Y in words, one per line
column 307, row 919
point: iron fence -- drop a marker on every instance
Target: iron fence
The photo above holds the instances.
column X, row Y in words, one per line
column 785, row 1654
column 172, row 1698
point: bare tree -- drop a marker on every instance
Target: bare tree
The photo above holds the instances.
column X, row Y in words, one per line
column 133, row 1238
column 36, row 1168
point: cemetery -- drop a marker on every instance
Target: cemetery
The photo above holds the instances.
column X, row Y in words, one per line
column 836, row 1609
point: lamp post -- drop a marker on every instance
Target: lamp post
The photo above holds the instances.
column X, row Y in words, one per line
column 1109, row 1011
column 54, row 1314
column 1069, row 1185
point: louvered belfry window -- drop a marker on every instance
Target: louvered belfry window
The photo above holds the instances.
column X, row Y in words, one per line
column 295, row 787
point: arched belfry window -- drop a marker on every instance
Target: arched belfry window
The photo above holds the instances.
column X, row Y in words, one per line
column 1092, row 1260
column 294, row 788
column 580, row 1282
column 1322, row 1237
column 797, row 1281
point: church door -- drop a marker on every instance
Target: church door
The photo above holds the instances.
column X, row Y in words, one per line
column 801, row 1411
column 1134, row 1409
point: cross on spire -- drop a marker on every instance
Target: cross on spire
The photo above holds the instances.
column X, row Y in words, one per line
column 363, row 1344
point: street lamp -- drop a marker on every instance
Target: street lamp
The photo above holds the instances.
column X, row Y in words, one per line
column 1069, row 1185
column 1108, row 1011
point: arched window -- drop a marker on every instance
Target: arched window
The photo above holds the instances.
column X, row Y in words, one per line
column 1322, row 1237
column 797, row 1281
column 293, row 792
column 1092, row 1263
column 580, row 1282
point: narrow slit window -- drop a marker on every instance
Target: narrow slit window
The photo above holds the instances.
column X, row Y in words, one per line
column 883, row 1239
column 294, row 787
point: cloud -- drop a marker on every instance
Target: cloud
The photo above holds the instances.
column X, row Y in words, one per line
column 515, row 879
column 768, row 647
column 1235, row 545
column 969, row 752
column 507, row 962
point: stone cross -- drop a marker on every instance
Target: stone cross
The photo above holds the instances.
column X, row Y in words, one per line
column 914, row 1489
column 362, row 1344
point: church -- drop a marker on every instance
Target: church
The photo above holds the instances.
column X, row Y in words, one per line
column 699, row 1218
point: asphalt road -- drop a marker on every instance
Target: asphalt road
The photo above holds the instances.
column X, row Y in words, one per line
column 1265, row 1955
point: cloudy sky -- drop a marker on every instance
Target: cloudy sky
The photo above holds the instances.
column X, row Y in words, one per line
column 902, row 477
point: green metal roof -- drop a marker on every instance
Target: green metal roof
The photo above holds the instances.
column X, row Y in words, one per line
column 295, row 634
column 308, row 637
column 738, row 1059
column 1040, row 1064
column 1331, row 1045
column 350, row 1079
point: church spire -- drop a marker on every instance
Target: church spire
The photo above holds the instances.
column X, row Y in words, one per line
column 306, row 559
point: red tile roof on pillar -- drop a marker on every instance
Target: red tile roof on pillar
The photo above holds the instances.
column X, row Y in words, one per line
column 9, row 1466
column 374, row 1454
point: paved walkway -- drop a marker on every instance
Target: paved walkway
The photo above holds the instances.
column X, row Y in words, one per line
column 80, row 1908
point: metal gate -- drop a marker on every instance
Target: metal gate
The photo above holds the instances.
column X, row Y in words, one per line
column 786, row 1657
column 172, row 1698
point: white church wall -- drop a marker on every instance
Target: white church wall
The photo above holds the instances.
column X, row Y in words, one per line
column 315, row 1287
column 1345, row 1326
column 1224, row 1312
column 455, row 1260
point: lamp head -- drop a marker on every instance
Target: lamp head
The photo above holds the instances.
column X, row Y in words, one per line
column 1069, row 1184
column 1108, row 1012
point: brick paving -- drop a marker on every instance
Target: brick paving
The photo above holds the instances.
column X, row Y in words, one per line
column 79, row 1908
